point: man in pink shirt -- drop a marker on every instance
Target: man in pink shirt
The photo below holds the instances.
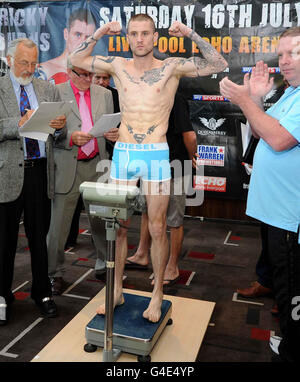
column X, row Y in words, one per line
column 76, row 155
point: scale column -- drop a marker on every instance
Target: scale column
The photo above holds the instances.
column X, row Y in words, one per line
column 110, row 354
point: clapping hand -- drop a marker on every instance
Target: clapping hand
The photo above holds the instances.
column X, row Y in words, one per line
column 259, row 82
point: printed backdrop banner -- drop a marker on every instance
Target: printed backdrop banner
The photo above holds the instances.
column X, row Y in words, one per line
column 244, row 32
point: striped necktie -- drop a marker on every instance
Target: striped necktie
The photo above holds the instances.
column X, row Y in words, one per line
column 32, row 145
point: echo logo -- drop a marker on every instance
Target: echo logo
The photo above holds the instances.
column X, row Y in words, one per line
column 210, row 183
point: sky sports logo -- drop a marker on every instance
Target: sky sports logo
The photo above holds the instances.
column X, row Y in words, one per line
column 248, row 69
column 211, row 155
column 210, row 98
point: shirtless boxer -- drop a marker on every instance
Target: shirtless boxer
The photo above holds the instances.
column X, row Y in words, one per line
column 147, row 88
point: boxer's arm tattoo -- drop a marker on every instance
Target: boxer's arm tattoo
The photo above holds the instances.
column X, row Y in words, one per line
column 205, row 47
column 198, row 62
column 83, row 46
column 92, row 65
column 212, row 59
column 108, row 60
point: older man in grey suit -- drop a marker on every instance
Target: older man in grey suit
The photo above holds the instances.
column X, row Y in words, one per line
column 26, row 175
column 76, row 155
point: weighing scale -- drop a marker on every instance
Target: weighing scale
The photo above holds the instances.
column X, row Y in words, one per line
column 123, row 328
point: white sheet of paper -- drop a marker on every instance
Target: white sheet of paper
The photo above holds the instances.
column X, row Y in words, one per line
column 105, row 123
column 36, row 135
column 246, row 135
column 37, row 127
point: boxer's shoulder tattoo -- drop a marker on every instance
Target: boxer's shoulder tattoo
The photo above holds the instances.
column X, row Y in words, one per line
column 130, row 78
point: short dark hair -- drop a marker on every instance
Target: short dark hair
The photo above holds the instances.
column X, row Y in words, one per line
column 141, row 17
column 81, row 15
column 294, row 31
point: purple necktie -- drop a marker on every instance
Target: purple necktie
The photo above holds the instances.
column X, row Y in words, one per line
column 86, row 124
column 32, row 145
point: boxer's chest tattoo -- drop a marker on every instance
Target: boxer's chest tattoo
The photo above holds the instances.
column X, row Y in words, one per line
column 149, row 77
column 130, row 78
column 152, row 76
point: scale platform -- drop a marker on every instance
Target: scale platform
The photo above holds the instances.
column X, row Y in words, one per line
column 132, row 333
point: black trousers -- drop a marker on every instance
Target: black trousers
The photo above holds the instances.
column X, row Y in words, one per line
column 74, row 230
column 36, row 205
column 263, row 265
column 284, row 252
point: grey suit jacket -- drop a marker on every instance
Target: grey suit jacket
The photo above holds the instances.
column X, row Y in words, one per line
column 65, row 156
column 11, row 144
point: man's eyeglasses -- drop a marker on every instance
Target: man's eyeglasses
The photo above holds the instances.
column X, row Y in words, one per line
column 82, row 75
column 26, row 64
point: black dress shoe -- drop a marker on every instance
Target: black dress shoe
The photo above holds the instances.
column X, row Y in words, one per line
column 57, row 285
column 3, row 321
column 3, row 311
column 47, row 307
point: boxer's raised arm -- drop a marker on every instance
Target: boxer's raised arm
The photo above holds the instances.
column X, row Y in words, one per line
column 212, row 61
column 82, row 56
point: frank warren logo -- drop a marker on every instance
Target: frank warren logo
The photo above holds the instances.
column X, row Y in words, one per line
column 211, row 155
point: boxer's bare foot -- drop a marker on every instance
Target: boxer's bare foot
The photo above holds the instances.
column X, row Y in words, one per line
column 153, row 312
column 119, row 300
column 140, row 259
column 169, row 276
